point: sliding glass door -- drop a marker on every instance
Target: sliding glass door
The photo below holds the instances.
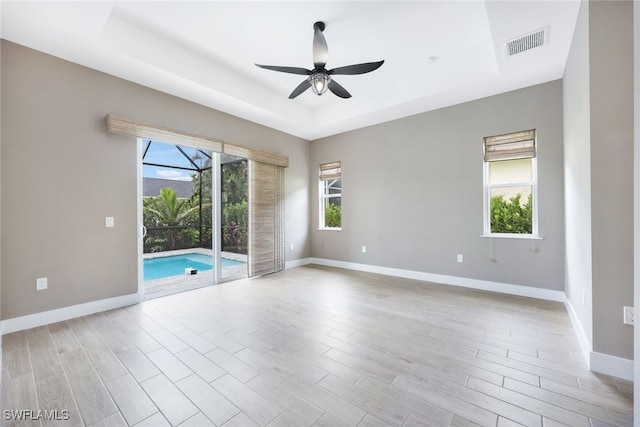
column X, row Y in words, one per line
column 185, row 225
column 234, row 213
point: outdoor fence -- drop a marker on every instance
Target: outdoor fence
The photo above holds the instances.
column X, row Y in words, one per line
column 169, row 238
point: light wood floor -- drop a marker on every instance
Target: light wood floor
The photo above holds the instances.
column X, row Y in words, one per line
column 315, row 346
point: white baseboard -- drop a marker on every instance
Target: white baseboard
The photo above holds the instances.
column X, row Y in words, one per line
column 485, row 285
column 583, row 340
column 599, row 362
column 611, row 365
column 58, row 315
column 297, row 263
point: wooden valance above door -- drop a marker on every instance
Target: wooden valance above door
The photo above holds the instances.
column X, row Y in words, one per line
column 121, row 126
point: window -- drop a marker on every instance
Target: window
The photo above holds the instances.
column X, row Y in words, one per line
column 510, row 191
column 330, row 196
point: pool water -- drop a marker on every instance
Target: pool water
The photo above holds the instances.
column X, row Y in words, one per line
column 158, row 268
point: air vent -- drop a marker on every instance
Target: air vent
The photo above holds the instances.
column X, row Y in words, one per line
column 528, row 41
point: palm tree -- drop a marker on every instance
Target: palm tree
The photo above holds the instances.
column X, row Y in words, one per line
column 171, row 212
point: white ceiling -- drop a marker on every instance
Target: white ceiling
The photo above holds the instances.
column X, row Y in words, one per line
column 437, row 53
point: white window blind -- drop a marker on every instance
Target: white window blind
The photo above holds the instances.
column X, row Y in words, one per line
column 518, row 145
column 329, row 171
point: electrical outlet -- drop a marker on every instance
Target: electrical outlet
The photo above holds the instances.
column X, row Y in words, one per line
column 460, row 258
column 364, row 249
column 629, row 316
column 109, row 222
column 41, row 283
column 292, row 246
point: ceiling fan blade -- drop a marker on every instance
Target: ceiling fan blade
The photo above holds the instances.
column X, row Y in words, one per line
column 290, row 70
column 320, row 49
column 366, row 67
column 338, row 90
column 301, row 88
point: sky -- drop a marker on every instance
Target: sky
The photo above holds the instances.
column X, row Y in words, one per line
column 165, row 173
column 166, row 154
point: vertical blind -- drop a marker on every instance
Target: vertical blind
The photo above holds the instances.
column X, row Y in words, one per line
column 266, row 218
column 518, row 145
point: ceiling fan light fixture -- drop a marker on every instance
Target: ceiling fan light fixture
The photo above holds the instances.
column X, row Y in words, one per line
column 319, row 78
column 319, row 82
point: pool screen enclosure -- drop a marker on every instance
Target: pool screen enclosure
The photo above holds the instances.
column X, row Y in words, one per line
column 184, row 159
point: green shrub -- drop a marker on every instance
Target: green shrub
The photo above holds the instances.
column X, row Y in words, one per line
column 510, row 216
column 154, row 244
column 237, row 212
column 332, row 215
column 234, row 232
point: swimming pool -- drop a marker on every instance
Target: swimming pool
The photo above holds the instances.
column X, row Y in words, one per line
column 174, row 265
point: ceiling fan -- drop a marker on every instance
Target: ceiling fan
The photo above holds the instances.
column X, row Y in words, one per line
column 319, row 79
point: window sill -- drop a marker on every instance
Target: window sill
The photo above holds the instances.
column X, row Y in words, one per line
column 513, row 236
column 330, row 229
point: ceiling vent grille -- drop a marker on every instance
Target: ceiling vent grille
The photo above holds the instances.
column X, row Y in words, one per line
column 528, row 41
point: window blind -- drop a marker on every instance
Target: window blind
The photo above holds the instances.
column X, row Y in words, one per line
column 518, row 145
column 329, row 171
column 266, row 219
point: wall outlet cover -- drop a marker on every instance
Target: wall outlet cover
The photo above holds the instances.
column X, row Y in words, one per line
column 629, row 316
column 41, row 283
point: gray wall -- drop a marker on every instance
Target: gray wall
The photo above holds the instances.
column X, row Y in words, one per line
column 412, row 191
column 598, row 114
column 61, row 175
column 611, row 89
column 0, row 200
column 636, row 182
column 577, row 174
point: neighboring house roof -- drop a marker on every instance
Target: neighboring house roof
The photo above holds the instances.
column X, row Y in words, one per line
column 151, row 187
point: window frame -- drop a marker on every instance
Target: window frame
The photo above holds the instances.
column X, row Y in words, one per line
column 487, row 187
column 324, row 195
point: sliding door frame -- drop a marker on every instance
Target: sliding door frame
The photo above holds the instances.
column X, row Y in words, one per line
column 216, row 241
column 139, row 221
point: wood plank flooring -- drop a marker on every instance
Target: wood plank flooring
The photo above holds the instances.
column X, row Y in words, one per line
column 313, row 346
